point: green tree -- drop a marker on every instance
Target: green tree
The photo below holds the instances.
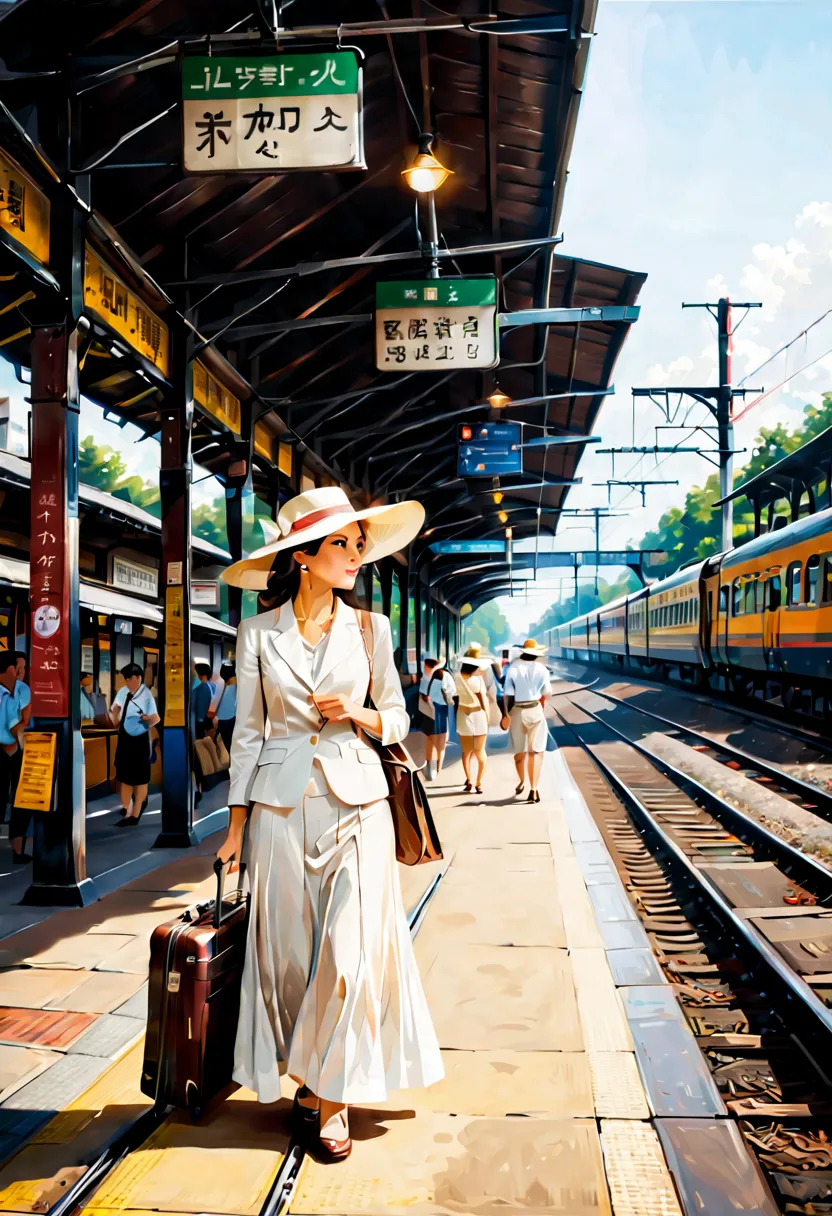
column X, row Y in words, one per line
column 103, row 467
column 487, row 626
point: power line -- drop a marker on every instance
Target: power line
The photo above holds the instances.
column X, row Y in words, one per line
column 785, row 347
column 763, row 396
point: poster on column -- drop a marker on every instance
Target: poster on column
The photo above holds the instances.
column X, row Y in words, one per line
column 266, row 115
column 49, row 576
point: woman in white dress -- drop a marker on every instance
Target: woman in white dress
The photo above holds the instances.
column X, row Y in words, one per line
column 330, row 985
column 472, row 718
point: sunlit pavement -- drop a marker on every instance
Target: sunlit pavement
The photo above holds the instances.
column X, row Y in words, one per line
column 115, row 855
column 541, row 1089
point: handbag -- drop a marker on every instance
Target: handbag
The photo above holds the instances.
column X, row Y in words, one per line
column 417, row 840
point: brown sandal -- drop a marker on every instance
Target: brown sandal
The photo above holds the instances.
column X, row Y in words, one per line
column 328, row 1149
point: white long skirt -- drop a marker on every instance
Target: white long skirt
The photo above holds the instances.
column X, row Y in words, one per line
column 330, row 985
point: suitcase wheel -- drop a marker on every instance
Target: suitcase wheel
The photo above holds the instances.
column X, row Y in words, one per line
column 194, row 1100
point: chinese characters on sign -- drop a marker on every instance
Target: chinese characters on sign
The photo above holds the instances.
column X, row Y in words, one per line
column 49, row 577
column 37, row 775
column 111, row 300
column 24, row 210
column 436, row 324
column 130, row 576
column 174, row 656
column 215, row 398
column 267, row 115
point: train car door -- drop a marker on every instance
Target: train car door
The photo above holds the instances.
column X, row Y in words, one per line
column 772, row 598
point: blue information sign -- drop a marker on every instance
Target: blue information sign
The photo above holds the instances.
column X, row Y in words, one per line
column 490, row 449
column 441, row 547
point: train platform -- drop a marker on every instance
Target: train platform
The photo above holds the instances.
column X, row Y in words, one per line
column 567, row 1087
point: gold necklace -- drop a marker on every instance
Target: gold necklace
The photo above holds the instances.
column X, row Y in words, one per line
column 301, row 617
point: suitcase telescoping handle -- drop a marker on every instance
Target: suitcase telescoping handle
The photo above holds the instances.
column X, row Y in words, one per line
column 220, row 869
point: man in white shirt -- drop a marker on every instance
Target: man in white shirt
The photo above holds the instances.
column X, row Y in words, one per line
column 436, row 694
column 525, row 689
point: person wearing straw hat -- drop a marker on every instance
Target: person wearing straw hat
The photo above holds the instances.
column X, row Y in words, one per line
column 487, row 674
column 330, row 986
column 525, row 689
column 472, row 717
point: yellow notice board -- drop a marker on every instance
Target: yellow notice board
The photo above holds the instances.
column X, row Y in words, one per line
column 37, row 776
column 24, row 210
column 174, row 658
column 112, row 300
column 215, row 398
column 263, row 440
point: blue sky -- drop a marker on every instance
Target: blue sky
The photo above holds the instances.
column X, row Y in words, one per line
column 701, row 157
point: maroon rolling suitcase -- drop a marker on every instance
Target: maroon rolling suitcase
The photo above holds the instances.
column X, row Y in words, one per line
column 196, row 965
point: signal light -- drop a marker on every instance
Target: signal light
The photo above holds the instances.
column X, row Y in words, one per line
column 503, row 517
column 497, row 496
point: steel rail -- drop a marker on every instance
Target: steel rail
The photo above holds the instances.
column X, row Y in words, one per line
column 786, row 780
column 798, row 865
column 133, row 1136
column 818, row 1015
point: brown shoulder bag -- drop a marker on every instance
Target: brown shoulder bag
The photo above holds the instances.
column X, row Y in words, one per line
column 416, row 837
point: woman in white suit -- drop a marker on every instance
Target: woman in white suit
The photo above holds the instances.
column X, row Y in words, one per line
column 330, row 984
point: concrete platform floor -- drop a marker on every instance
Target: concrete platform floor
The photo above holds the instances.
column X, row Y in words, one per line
column 542, row 1107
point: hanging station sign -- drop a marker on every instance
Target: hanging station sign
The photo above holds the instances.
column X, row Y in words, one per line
column 266, row 115
column 443, row 548
column 112, row 301
column 24, row 210
column 436, row 324
column 215, row 398
column 131, row 576
column 490, row 449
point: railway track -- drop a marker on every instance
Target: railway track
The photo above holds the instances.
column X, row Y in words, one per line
column 802, row 793
column 774, row 716
column 738, row 922
column 133, row 1137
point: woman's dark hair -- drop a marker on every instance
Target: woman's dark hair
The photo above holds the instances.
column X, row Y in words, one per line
column 203, row 669
column 530, row 658
column 132, row 669
column 284, row 577
column 468, row 669
column 228, row 670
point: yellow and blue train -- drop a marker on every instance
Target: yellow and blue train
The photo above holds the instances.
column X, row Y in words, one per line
column 756, row 621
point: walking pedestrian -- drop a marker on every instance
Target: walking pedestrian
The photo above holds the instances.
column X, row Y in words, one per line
column 330, row 983
column 227, row 708
column 525, row 690
column 489, row 679
column 436, row 695
column 472, row 718
column 134, row 713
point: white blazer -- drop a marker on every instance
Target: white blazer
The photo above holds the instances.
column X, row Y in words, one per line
column 279, row 733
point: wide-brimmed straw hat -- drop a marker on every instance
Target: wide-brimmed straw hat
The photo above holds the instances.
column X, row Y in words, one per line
column 530, row 646
column 474, row 661
column 474, row 651
column 319, row 513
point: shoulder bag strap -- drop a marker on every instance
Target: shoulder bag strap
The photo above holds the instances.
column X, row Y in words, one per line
column 365, row 624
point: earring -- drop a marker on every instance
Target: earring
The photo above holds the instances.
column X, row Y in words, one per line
column 305, row 568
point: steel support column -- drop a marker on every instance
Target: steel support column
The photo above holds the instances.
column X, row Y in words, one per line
column 59, row 872
column 175, row 491
column 238, row 494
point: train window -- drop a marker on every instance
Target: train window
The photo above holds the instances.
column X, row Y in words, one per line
column 723, row 601
column 774, row 592
column 750, row 596
column 812, row 574
column 826, row 593
column 696, row 610
column 736, row 598
column 793, row 582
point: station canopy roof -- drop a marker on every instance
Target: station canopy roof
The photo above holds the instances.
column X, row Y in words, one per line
column 790, row 477
column 234, row 251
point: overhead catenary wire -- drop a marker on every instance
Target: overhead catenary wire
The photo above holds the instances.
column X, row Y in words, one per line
column 803, row 333
column 763, row 396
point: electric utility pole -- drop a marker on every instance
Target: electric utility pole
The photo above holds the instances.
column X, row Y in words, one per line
column 720, row 401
